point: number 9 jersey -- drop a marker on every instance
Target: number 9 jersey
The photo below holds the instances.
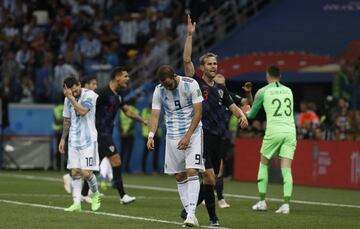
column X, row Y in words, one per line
column 178, row 106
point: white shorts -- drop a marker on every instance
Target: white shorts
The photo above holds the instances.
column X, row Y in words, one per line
column 177, row 161
column 84, row 159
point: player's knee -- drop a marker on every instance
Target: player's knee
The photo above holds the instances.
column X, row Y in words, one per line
column 209, row 177
column 86, row 173
column 75, row 172
column 191, row 172
column 115, row 160
column 180, row 177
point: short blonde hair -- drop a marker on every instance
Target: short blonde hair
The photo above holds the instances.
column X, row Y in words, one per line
column 205, row 56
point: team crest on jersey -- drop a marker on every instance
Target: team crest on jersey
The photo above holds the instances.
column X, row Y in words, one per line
column 112, row 148
column 221, row 93
column 184, row 94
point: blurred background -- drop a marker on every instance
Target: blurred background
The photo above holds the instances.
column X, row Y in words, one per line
column 315, row 43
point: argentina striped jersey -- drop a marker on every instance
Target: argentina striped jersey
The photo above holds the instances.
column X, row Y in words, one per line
column 178, row 106
column 82, row 131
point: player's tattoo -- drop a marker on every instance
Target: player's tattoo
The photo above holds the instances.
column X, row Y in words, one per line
column 66, row 127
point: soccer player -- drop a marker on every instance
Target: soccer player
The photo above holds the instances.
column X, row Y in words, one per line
column 108, row 104
column 79, row 123
column 215, row 98
column 280, row 135
column 227, row 138
column 181, row 99
column 89, row 82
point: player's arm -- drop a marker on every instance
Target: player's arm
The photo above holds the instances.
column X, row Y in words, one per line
column 259, row 99
column 65, row 133
column 239, row 115
column 154, row 118
column 82, row 110
column 133, row 115
column 188, row 65
column 185, row 141
column 153, row 125
column 249, row 97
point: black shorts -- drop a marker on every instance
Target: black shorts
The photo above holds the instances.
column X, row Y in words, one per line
column 225, row 146
column 212, row 151
column 106, row 146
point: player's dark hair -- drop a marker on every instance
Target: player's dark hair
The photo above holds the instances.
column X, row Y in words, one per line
column 274, row 71
column 164, row 72
column 87, row 80
column 71, row 81
column 116, row 71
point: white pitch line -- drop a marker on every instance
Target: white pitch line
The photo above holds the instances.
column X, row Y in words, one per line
column 143, row 187
column 100, row 213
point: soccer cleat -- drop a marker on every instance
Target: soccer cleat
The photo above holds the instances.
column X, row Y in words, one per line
column 103, row 186
column 223, row 204
column 87, row 199
column 260, row 206
column 191, row 221
column 284, row 209
column 203, row 203
column 73, row 208
column 183, row 214
column 214, row 223
column 95, row 205
column 126, row 199
column 67, row 183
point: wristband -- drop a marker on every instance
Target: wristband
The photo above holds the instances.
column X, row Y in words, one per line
column 151, row 135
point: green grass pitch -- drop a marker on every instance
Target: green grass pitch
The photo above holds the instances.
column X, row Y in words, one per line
column 35, row 199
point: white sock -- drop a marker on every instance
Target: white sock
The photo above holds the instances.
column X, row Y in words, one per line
column 183, row 193
column 77, row 186
column 92, row 183
column 193, row 193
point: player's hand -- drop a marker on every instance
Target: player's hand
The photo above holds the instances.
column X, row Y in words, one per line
column 150, row 144
column 146, row 122
column 62, row 146
column 247, row 87
column 67, row 92
column 183, row 143
column 243, row 122
column 190, row 26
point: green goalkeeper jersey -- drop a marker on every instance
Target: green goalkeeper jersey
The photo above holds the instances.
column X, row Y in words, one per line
column 277, row 100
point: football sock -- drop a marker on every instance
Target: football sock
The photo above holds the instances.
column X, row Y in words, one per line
column 117, row 180
column 201, row 194
column 85, row 189
column 92, row 183
column 210, row 201
column 76, row 184
column 183, row 193
column 193, row 194
column 219, row 187
column 288, row 183
column 262, row 180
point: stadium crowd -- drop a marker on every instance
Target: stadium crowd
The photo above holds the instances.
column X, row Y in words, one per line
column 43, row 42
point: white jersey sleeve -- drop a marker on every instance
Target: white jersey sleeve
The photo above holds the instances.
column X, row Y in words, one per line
column 196, row 93
column 89, row 100
column 66, row 111
column 156, row 101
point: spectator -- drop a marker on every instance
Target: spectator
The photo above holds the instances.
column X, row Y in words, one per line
column 62, row 70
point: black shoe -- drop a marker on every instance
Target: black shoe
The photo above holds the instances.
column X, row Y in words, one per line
column 214, row 223
column 183, row 214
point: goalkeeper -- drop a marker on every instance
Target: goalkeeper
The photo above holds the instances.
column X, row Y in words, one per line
column 280, row 135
